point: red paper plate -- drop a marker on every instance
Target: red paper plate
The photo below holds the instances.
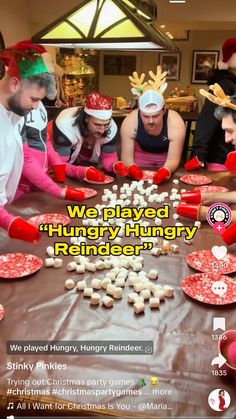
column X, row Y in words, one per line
column 88, row 193
column 205, row 261
column 16, row 265
column 211, row 188
column 108, row 179
column 196, row 179
column 54, row 219
column 2, row 312
column 148, row 174
column 198, row 287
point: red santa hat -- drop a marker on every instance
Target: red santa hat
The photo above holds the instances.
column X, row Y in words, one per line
column 98, row 105
column 228, row 50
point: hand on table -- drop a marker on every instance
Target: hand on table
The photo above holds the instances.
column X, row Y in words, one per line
column 193, row 164
column 73, row 194
column 230, row 162
column 195, row 212
column 94, row 174
column 135, row 172
column 120, row 169
column 161, row 175
column 22, row 230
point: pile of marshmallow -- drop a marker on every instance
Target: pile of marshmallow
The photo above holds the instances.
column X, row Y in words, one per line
column 126, row 197
column 115, row 281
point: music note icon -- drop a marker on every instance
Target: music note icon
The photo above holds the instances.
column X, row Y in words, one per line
column 10, row 406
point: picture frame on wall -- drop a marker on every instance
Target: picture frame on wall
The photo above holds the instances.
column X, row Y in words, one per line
column 170, row 62
column 203, row 64
column 119, row 65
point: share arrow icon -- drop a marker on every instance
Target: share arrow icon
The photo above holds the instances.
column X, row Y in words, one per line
column 219, row 360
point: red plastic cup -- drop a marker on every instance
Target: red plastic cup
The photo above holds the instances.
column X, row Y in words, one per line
column 193, row 164
column 227, row 348
column 229, row 235
column 193, row 197
column 22, row 230
column 188, row 210
column 230, row 162
column 59, row 172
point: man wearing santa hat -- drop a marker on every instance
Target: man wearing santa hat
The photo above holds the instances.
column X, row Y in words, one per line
column 84, row 136
column 209, row 144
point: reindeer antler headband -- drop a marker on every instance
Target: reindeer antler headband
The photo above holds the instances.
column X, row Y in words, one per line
column 158, row 82
column 219, row 97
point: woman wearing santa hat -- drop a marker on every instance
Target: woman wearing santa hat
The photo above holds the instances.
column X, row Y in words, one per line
column 209, row 144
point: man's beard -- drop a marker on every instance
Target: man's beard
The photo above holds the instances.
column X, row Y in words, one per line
column 14, row 106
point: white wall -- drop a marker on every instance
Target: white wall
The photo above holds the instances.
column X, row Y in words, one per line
column 198, row 40
column 14, row 22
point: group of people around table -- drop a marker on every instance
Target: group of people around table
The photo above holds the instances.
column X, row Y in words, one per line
column 151, row 136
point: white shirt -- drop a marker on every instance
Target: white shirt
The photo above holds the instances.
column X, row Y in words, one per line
column 11, row 154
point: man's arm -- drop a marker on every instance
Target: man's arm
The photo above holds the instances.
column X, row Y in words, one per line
column 211, row 198
column 176, row 134
column 128, row 133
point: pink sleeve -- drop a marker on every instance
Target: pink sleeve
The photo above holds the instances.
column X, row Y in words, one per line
column 33, row 172
column 5, row 218
column 108, row 159
column 77, row 172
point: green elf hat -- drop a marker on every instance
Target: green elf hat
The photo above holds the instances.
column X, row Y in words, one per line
column 24, row 60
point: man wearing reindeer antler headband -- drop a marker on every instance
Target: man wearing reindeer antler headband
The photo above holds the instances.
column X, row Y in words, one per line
column 209, row 144
column 195, row 201
column 152, row 135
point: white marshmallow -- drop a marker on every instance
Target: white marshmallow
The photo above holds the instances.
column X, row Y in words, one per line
column 87, row 292
column 100, row 264
column 176, row 216
column 81, row 285
column 153, row 274
column 198, row 224
column 69, row 284
column 71, row 266
column 110, row 289
column 174, row 248
column 146, row 294
column 139, row 307
column 105, row 283
column 159, row 294
column 49, row 262
column 50, row 251
column 96, row 284
column 175, row 181
column 186, row 241
column 58, row 263
column 95, row 299
column 107, row 301
column 132, row 296
column 90, row 267
column 117, row 292
column 154, row 302
column 80, row 269
column 168, row 290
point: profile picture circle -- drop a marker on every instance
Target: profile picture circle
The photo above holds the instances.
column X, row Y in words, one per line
column 219, row 400
column 219, row 213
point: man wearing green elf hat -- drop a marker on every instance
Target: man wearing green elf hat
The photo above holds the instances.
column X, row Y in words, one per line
column 25, row 83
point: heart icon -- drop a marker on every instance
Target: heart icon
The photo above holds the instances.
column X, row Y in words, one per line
column 219, row 252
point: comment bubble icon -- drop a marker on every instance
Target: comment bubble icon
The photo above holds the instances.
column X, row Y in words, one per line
column 219, row 288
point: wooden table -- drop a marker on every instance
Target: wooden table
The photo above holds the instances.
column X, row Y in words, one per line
column 38, row 308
